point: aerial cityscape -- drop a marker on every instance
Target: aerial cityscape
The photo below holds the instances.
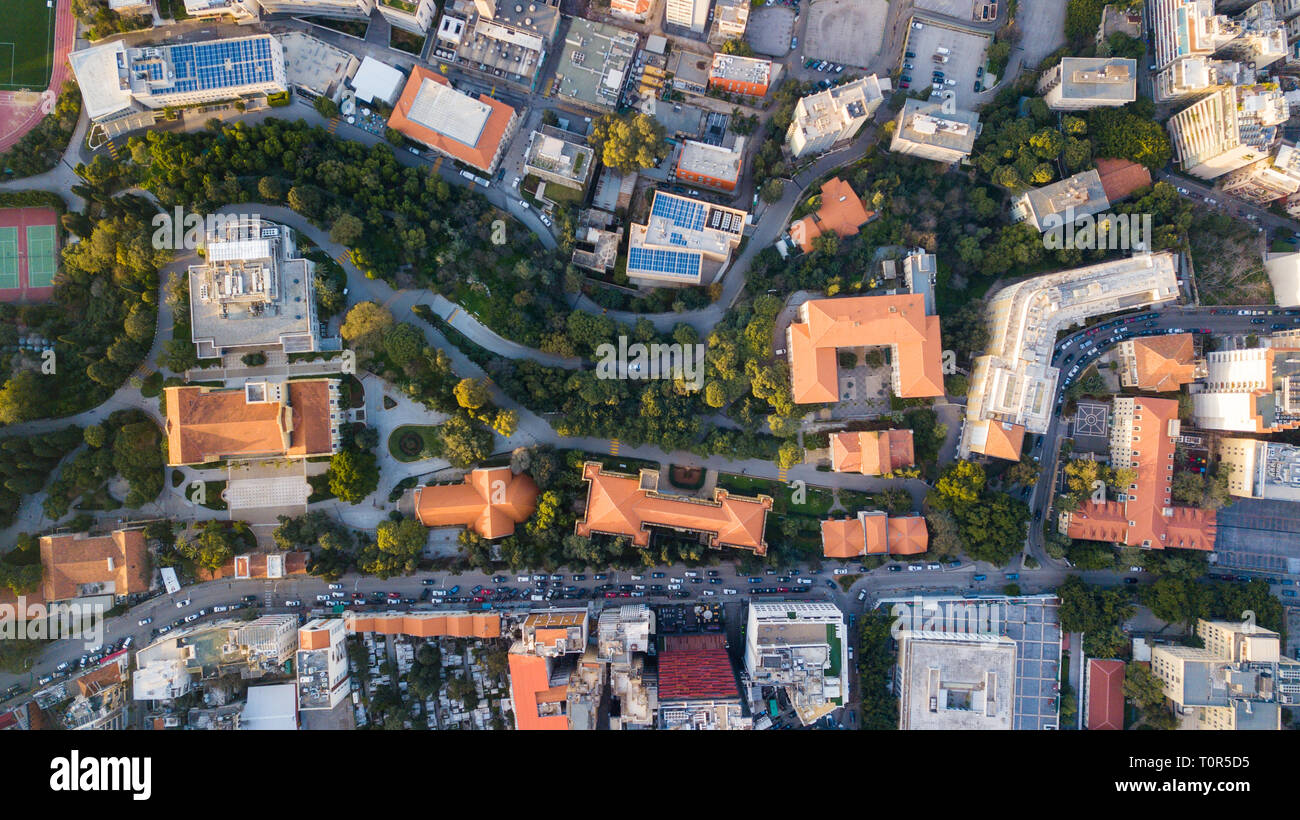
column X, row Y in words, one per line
column 616, row 364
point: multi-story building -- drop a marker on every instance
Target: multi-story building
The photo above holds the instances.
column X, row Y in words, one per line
column 559, row 157
column 688, row 14
column 472, row 130
column 730, row 19
column 491, row 501
column 751, row 76
column 1161, row 364
column 799, row 646
column 253, row 292
column 271, row 640
column 1067, row 200
column 872, row 532
column 322, row 664
column 595, row 64
column 689, row 70
column 1261, row 38
column 684, row 241
column 626, row 505
column 346, row 9
column 552, row 686
column 1143, row 434
column 1082, row 83
column 239, row 11
column 712, row 166
column 1261, row 469
column 635, row 10
column 823, row 119
column 899, row 322
column 1268, row 179
column 1229, row 129
column 263, row 419
column 414, row 16
column 1191, row 78
column 509, row 39
column 441, row 624
column 955, row 680
column 697, row 685
column 1013, row 383
column 84, row 566
column 1249, row 391
column 924, row 129
column 1188, row 28
column 117, row 80
column 1238, row 680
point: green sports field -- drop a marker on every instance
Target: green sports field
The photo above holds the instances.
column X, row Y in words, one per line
column 26, row 44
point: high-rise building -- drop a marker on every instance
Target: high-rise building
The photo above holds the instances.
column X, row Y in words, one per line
column 1188, row 28
column 322, row 664
column 924, row 129
column 828, row 117
column 689, row 14
column 800, row 647
column 414, row 16
column 1249, row 391
column 1229, row 129
column 1266, row 180
column 1081, row 83
column 1189, row 79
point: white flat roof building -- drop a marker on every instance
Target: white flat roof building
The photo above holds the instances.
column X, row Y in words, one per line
column 377, row 81
column 1261, row 469
column 952, row 680
column 1014, row 382
column 1193, row 77
column 923, row 129
column 352, row 9
column 1227, row 130
column 828, row 117
column 239, row 10
column 560, row 157
column 1266, row 180
column 271, row 708
column 1249, row 391
column 1067, row 200
column 414, row 16
column 800, row 646
column 712, row 166
column 117, row 80
column 1081, row 83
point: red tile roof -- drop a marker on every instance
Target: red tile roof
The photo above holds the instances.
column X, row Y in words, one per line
column 204, row 424
column 1105, row 695
column 871, row 452
column 73, row 561
column 481, row 153
column 695, row 667
column 1164, row 363
column 489, row 501
column 530, row 688
column 841, row 211
column 1121, row 177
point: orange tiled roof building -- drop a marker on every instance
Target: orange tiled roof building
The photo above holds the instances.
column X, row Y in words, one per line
column 257, row 565
column 488, row 501
column 841, row 211
column 1143, row 438
column 425, row 624
column 898, row 322
column 871, row 452
column 619, row 504
column 474, row 130
column 293, row 419
column 874, row 533
column 1157, row 363
column 79, row 565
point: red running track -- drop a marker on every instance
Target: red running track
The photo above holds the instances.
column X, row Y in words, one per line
column 65, row 33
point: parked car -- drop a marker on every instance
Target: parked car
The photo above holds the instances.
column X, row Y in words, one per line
column 145, row 621
column 915, row 568
column 840, row 571
column 979, row 577
column 183, row 604
column 933, row 566
column 293, row 603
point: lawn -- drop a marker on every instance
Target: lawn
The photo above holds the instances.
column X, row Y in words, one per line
column 25, row 62
column 408, row 442
column 816, row 502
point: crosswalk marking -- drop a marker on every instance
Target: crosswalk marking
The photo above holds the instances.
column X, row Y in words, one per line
column 780, row 473
column 613, row 447
column 333, row 125
column 112, row 149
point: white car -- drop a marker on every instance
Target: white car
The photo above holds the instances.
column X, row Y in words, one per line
column 915, row 568
column 638, row 577
column 917, row 26
column 515, row 184
column 145, row 622
column 728, row 591
column 220, row 608
column 862, row 596
column 546, row 220
column 708, row 592
column 932, row 566
column 840, row 571
column 189, row 618
column 322, row 597
column 336, row 586
column 523, row 204
column 674, row 586
column 183, row 604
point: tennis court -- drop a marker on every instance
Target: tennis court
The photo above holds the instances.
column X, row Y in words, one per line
column 29, row 253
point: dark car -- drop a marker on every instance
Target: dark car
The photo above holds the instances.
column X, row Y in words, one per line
column 1130, row 580
column 895, row 568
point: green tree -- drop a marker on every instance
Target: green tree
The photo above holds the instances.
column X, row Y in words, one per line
column 346, row 230
column 472, row 393
column 629, row 143
column 353, row 475
column 772, row 191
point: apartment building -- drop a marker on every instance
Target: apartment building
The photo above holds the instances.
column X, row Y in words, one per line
column 1229, row 129
column 1083, row 83
column 829, row 117
column 1249, row 391
column 491, row 501
column 253, row 291
column 270, row 640
column 346, row 9
column 1261, row 37
column 872, row 532
column 899, row 322
column 712, row 166
column 472, row 130
column 1268, row 179
column 627, row 505
column 697, row 685
column 263, row 419
column 924, row 129
column 1188, row 28
column 688, row 14
column 1161, row 364
column 117, row 80
column 441, row 624
column 552, row 686
column 1261, row 469
column 414, row 16
column 684, row 241
column 635, row 10
column 559, row 157
column 1013, row 383
column 1062, row 202
column 1238, row 680
column 595, row 64
column 955, row 681
column 322, row 664
column 509, row 40
column 800, row 647
column 730, row 19
column 751, row 76
column 1144, row 432
column 1191, row 78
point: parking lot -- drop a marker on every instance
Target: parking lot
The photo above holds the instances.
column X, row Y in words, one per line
column 965, row 58
column 848, row 32
column 956, row 9
column 770, row 29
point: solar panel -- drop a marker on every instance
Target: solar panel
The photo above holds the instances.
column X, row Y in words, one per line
column 668, row 263
column 683, row 213
column 221, row 64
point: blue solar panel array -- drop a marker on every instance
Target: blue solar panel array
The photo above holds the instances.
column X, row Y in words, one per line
column 221, row 64
column 683, row 213
column 676, row 239
column 670, row 263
